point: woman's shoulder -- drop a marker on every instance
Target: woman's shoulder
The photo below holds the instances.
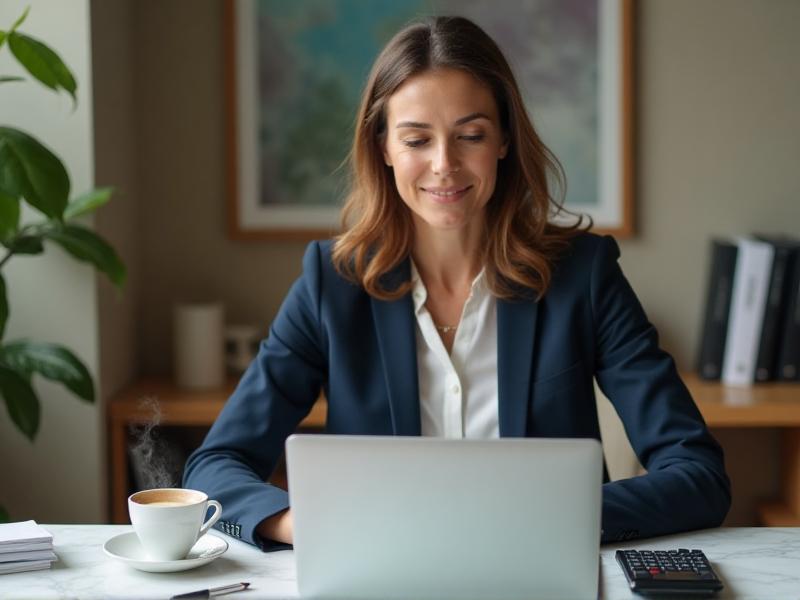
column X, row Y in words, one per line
column 318, row 258
column 585, row 248
column 587, row 244
column 319, row 268
column 319, row 252
column 585, row 253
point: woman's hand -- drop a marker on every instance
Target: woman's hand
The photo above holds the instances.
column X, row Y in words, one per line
column 278, row 527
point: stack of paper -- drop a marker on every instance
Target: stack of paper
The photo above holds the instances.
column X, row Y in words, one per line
column 25, row 546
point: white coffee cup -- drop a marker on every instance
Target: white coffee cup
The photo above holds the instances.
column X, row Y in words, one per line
column 168, row 521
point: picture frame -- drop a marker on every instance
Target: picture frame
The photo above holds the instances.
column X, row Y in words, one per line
column 258, row 208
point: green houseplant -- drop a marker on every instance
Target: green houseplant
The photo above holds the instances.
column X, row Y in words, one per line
column 31, row 173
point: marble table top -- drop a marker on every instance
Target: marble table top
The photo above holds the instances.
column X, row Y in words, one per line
column 752, row 562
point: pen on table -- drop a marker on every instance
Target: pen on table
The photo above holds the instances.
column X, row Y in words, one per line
column 211, row 592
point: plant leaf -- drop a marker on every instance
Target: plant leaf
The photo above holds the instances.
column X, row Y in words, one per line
column 3, row 307
column 26, row 244
column 4, row 516
column 41, row 62
column 52, row 361
column 29, row 169
column 7, row 78
column 9, row 216
column 88, row 202
column 84, row 244
column 19, row 21
column 21, row 401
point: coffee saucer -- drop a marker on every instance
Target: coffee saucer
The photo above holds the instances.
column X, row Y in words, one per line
column 126, row 548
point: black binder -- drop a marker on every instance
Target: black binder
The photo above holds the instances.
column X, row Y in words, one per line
column 778, row 298
column 789, row 361
column 717, row 309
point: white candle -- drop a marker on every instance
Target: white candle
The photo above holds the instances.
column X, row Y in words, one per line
column 199, row 345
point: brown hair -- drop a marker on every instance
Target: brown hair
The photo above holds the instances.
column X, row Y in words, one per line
column 520, row 244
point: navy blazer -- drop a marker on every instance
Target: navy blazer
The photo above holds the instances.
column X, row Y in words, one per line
column 330, row 334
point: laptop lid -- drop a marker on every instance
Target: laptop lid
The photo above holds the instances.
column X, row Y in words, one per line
column 409, row 517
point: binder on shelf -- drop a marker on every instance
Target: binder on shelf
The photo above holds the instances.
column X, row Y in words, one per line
column 789, row 355
column 750, row 286
column 778, row 298
column 717, row 308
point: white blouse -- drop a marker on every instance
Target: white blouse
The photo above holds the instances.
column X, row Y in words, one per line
column 458, row 391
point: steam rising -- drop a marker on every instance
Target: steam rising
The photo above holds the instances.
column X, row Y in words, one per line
column 156, row 462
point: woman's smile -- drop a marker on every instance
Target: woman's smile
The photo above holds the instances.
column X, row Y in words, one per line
column 446, row 195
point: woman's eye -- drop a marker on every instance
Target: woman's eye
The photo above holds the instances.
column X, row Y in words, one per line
column 417, row 142
column 414, row 143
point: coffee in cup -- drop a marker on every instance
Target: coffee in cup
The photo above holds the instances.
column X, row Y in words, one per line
column 168, row 521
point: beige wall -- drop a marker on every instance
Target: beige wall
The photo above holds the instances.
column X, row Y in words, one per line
column 185, row 252
column 119, row 222
column 717, row 145
column 718, row 149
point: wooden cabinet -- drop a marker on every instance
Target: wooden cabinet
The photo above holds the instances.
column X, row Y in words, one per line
column 764, row 405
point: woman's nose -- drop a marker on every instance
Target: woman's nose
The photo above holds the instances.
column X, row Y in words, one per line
column 445, row 161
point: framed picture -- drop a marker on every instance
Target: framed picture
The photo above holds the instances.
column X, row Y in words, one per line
column 295, row 70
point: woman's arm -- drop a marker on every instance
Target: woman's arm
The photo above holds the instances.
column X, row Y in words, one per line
column 686, row 486
column 276, row 392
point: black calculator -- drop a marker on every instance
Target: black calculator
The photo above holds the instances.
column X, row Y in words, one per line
column 679, row 572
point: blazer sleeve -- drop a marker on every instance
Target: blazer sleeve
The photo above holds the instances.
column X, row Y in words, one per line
column 276, row 392
column 686, row 486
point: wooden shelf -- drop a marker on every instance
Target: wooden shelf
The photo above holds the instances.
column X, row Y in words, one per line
column 761, row 405
column 177, row 407
column 775, row 514
column 184, row 407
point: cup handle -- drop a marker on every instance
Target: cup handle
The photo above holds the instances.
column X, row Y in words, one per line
column 213, row 518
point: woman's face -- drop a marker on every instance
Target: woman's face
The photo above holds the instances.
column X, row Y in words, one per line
column 443, row 142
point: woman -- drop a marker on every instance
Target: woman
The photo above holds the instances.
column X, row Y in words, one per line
column 450, row 306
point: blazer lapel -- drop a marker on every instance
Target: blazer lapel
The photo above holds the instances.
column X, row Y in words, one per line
column 394, row 326
column 516, row 335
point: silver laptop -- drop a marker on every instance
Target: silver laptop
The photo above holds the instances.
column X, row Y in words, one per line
column 429, row 518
